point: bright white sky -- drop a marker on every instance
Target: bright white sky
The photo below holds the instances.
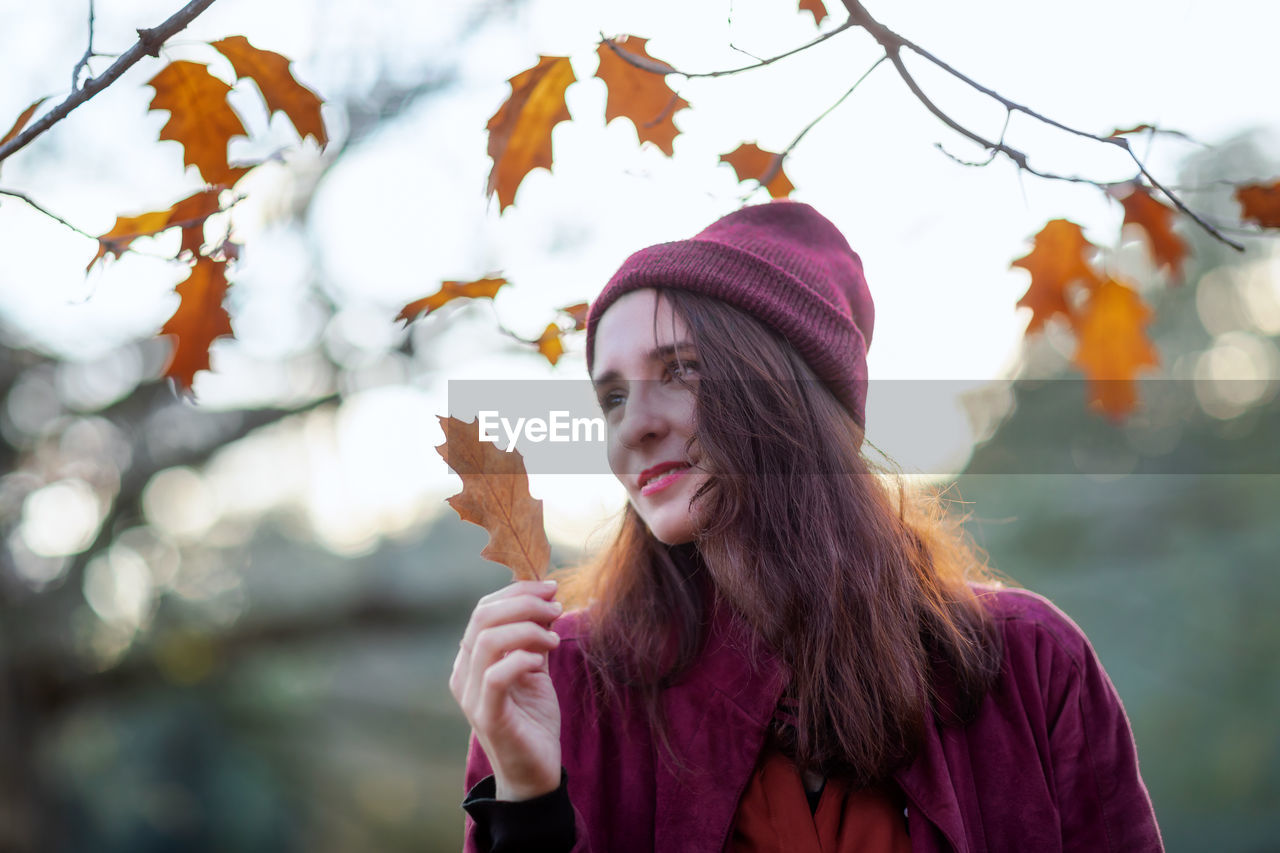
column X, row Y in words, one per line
column 407, row 210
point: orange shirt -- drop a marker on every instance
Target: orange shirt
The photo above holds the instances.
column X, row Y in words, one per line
column 773, row 815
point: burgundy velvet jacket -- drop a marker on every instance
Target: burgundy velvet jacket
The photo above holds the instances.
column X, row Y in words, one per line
column 1048, row 764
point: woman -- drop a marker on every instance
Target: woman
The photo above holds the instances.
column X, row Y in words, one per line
column 779, row 651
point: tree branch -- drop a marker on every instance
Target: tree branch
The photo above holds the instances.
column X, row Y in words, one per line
column 893, row 45
column 88, row 54
column 658, row 67
column 149, row 43
column 776, row 165
column 54, row 216
column 134, row 480
column 52, row 684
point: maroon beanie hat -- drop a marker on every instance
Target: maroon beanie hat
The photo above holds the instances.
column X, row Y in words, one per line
column 784, row 264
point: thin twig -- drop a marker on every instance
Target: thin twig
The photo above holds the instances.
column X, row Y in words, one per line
column 664, row 68
column 839, row 101
column 88, row 53
column 776, row 165
column 1169, row 194
column 893, row 45
column 149, row 42
column 46, row 212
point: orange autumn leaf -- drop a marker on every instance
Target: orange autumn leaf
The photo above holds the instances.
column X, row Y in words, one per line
column 640, row 94
column 188, row 214
column 751, row 161
column 485, row 288
column 126, row 230
column 495, row 495
column 22, row 120
column 1059, row 257
column 520, row 131
column 1113, row 346
column 200, row 119
column 550, row 345
column 1139, row 128
column 578, row 312
column 1156, row 219
column 815, row 6
column 1261, row 203
column 280, row 89
column 199, row 320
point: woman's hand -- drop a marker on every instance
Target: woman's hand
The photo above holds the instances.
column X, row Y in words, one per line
column 502, row 684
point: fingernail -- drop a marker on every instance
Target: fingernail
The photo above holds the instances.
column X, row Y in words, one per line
column 550, row 583
column 557, row 606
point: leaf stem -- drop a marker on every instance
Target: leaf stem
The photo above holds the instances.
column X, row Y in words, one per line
column 46, row 212
column 893, row 45
column 149, row 42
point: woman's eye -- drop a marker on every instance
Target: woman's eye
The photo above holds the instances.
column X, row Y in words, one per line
column 683, row 369
column 609, row 400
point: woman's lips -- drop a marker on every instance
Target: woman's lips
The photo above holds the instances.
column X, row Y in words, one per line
column 663, row 481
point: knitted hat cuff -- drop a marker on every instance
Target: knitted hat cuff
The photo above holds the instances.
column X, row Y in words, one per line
column 810, row 287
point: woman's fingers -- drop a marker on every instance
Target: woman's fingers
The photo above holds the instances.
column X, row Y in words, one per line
column 512, row 608
column 544, row 589
column 499, row 679
column 493, row 644
column 528, row 601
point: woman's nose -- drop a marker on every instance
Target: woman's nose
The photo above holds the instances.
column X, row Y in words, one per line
column 642, row 418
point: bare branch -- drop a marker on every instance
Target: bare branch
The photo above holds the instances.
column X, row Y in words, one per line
column 828, row 110
column 54, row 216
column 126, row 504
column 149, row 42
column 88, row 54
column 53, row 683
column 657, row 67
column 775, row 165
column 893, row 45
column 1177, row 202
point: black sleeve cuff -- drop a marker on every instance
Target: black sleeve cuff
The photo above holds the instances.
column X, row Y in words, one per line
column 542, row 825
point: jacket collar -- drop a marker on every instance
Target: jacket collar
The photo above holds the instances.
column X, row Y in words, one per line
column 929, row 787
column 717, row 717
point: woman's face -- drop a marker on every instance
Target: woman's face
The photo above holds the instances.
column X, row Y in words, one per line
column 650, row 412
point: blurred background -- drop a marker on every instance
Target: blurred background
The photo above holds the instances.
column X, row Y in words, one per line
column 228, row 624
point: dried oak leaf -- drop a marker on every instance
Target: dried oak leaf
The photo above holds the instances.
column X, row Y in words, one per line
column 22, row 120
column 199, row 320
column 520, row 131
column 495, row 495
column 280, row 89
column 200, row 119
column 577, row 311
column 1156, row 219
column 1059, row 257
column 188, row 214
column 1138, row 128
column 752, row 162
column 550, row 345
column 1261, row 203
column 1113, row 346
column 450, row 290
column 638, row 91
column 816, row 7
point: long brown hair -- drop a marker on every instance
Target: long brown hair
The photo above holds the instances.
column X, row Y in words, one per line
column 859, row 585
